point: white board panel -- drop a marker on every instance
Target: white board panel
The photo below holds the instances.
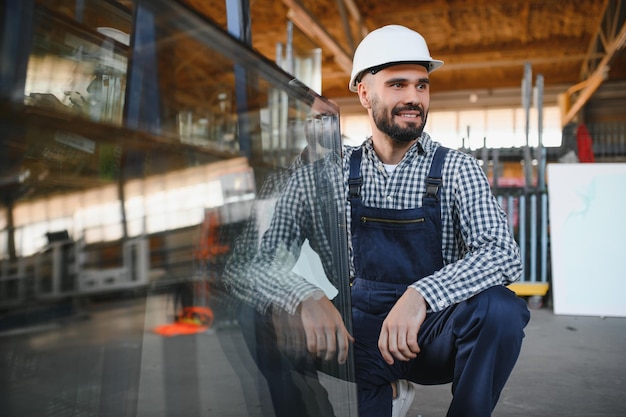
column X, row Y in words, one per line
column 587, row 212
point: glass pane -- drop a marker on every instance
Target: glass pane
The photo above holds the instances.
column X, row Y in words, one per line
column 78, row 62
column 142, row 174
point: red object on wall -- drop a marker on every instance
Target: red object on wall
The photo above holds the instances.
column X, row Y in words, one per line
column 585, row 144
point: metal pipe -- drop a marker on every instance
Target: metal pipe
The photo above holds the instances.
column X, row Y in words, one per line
column 541, row 150
column 238, row 20
column 485, row 157
column 240, row 27
column 544, row 237
column 142, row 101
column 289, row 58
column 346, row 23
column 496, row 169
column 522, row 230
column 526, row 92
column 533, row 237
column 274, row 109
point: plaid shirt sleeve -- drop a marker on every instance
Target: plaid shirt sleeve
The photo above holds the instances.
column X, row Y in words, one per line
column 260, row 270
column 478, row 248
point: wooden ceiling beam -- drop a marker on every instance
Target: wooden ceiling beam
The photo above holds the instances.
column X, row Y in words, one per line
column 591, row 84
column 312, row 28
column 599, row 37
column 514, row 62
column 354, row 12
column 346, row 23
column 609, row 39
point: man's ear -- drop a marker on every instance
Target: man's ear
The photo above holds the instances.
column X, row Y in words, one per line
column 363, row 95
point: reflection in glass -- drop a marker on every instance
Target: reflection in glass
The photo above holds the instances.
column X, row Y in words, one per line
column 147, row 154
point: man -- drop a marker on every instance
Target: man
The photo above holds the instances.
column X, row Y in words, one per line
column 430, row 251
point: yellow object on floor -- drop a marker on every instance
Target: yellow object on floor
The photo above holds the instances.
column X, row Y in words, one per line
column 524, row 289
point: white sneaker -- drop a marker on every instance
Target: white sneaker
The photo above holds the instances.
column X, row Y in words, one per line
column 401, row 404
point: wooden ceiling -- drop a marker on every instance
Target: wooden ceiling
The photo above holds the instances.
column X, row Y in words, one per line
column 484, row 43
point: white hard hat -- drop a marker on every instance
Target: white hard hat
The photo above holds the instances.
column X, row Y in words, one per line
column 390, row 45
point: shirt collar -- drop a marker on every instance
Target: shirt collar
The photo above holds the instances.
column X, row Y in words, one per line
column 426, row 144
column 423, row 146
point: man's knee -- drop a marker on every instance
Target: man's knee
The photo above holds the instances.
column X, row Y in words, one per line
column 500, row 309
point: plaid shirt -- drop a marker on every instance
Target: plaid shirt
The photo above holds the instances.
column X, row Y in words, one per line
column 477, row 246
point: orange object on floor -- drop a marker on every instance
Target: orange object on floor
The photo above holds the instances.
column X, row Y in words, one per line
column 191, row 320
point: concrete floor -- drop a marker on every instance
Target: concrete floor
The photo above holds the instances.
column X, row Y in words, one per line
column 107, row 361
column 569, row 366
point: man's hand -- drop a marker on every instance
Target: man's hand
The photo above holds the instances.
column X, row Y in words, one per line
column 290, row 336
column 398, row 336
column 326, row 334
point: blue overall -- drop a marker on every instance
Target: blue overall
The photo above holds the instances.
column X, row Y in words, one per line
column 391, row 250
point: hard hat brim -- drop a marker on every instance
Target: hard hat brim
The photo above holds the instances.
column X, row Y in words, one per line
column 431, row 65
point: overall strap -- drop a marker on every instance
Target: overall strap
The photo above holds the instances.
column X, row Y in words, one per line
column 355, row 180
column 433, row 181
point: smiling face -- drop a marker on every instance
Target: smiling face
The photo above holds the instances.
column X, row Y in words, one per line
column 398, row 99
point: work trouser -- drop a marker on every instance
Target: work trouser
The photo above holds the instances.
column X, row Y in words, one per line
column 474, row 344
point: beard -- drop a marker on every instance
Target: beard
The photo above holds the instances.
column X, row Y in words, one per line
column 383, row 118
